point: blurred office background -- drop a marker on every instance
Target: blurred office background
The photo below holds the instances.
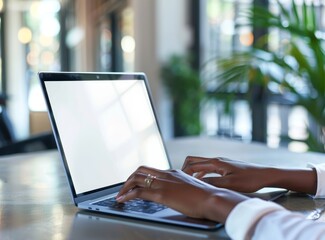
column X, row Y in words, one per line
column 140, row 35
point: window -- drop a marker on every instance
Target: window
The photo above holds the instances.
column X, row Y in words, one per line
column 116, row 41
column 286, row 124
column 220, row 38
column 41, row 35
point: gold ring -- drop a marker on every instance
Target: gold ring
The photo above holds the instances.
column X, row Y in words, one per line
column 149, row 179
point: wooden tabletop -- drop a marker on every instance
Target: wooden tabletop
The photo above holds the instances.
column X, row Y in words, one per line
column 35, row 201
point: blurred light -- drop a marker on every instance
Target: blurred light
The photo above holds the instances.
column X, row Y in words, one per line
column 50, row 26
column 32, row 58
column 44, row 9
column 320, row 35
column 128, row 44
column 47, row 58
column 34, row 47
column 24, row 35
column 227, row 27
column 246, row 39
column 128, row 57
column 74, row 37
column 213, row 12
column 1, row 5
column 55, row 46
column 46, row 41
column 285, row 41
column 273, row 141
column 34, row 9
column 297, row 147
column 50, row 6
column 35, row 102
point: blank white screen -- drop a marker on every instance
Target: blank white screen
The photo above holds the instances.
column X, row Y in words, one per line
column 107, row 129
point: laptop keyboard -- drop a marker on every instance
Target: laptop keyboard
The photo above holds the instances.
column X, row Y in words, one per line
column 136, row 205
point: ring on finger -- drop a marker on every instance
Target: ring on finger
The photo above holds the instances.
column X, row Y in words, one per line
column 148, row 180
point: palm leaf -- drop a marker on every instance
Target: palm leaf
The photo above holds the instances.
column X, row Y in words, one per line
column 305, row 15
column 313, row 17
column 305, row 50
column 295, row 13
column 284, row 12
column 315, row 46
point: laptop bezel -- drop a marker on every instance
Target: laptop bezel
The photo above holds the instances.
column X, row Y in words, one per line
column 89, row 76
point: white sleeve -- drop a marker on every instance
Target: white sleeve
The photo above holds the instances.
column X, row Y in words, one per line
column 289, row 226
column 320, row 170
column 242, row 219
column 259, row 219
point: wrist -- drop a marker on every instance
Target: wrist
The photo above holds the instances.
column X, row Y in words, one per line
column 299, row 180
column 220, row 204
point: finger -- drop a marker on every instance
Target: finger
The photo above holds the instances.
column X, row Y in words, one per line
column 208, row 166
column 143, row 193
column 200, row 175
column 212, row 165
column 146, row 170
column 132, row 182
column 151, row 193
column 138, row 180
column 191, row 159
column 153, row 171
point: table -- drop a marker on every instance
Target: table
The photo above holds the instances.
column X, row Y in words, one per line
column 35, row 202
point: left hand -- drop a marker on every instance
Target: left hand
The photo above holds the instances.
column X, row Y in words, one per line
column 181, row 192
column 235, row 175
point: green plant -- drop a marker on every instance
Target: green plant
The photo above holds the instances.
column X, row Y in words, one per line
column 296, row 68
column 184, row 86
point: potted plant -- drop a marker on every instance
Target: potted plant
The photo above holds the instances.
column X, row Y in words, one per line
column 184, row 86
column 296, row 69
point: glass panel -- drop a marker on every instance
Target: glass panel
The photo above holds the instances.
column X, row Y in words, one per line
column 105, row 45
column 286, row 124
column 116, row 41
column 41, row 35
column 221, row 38
column 127, row 41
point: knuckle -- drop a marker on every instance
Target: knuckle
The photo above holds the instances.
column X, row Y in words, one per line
column 137, row 177
column 165, row 175
column 141, row 168
column 189, row 158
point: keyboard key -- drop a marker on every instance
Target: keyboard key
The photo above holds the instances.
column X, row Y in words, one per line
column 136, row 205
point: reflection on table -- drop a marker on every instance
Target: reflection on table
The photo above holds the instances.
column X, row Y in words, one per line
column 87, row 225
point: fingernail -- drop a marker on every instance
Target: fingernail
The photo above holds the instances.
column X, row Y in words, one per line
column 120, row 198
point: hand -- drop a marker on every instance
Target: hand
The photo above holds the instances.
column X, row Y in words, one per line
column 181, row 192
column 235, row 175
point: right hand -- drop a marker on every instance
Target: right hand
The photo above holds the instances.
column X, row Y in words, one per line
column 181, row 192
column 234, row 175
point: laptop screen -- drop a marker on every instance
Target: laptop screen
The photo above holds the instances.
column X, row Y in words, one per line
column 107, row 129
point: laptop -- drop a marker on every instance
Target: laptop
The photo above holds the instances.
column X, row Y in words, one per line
column 105, row 127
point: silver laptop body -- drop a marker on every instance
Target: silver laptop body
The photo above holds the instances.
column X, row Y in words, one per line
column 105, row 127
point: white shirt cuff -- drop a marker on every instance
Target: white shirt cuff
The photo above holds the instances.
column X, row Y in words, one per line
column 320, row 170
column 242, row 219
